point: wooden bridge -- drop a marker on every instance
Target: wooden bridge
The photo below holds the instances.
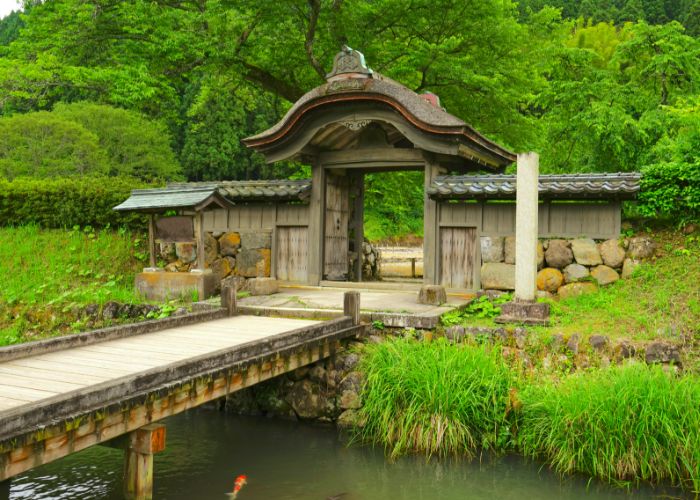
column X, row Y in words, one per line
column 110, row 386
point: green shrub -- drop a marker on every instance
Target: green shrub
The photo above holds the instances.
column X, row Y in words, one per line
column 44, row 145
column 134, row 145
column 435, row 397
column 624, row 423
column 64, row 203
column 671, row 190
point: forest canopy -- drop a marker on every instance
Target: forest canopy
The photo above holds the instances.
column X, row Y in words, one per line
column 593, row 85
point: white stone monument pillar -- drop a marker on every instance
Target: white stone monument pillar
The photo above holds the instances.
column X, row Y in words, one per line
column 525, row 309
column 526, row 230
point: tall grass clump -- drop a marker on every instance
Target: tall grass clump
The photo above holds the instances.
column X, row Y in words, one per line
column 624, row 424
column 434, row 398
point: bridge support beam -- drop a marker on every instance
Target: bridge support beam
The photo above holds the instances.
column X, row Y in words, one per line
column 139, row 447
column 351, row 306
column 5, row 489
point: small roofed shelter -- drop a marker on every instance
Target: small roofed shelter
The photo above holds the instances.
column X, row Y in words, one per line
column 359, row 122
column 226, row 227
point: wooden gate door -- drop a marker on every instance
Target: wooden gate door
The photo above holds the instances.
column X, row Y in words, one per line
column 292, row 253
column 336, row 242
column 457, row 257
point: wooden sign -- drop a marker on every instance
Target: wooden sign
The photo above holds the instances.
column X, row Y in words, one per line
column 175, row 229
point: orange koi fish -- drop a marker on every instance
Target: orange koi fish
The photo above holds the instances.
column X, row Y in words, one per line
column 237, row 486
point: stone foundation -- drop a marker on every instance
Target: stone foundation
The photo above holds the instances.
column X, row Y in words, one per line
column 160, row 285
column 566, row 266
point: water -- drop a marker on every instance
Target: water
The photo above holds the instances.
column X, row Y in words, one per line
column 206, row 450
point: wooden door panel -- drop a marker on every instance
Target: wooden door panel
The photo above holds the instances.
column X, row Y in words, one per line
column 292, row 253
column 457, row 257
column 336, row 241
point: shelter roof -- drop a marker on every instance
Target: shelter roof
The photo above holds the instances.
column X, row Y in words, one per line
column 568, row 186
column 356, row 96
column 199, row 195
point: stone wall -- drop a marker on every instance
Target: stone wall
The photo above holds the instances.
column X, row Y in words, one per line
column 567, row 267
column 326, row 391
column 371, row 262
column 245, row 254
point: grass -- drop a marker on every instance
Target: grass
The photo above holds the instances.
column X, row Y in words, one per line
column 434, row 398
column 661, row 299
column 629, row 423
column 49, row 274
column 624, row 424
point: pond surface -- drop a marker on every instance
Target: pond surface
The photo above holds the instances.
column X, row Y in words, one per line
column 206, row 450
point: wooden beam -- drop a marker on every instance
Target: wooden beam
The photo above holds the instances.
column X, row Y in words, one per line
column 351, row 306
column 138, row 461
column 359, row 220
column 152, row 240
column 430, row 225
column 373, row 158
column 317, row 204
column 199, row 235
column 229, row 299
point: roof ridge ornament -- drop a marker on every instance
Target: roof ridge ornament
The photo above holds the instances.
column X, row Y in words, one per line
column 349, row 63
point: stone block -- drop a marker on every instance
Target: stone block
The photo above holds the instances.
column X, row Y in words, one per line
column 253, row 263
column 640, row 248
column 576, row 289
column 229, row 243
column 186, row 252
column 612, row 253
column 662, row 352
column 432, row 295
column 628, row 267
column 575, row 272
column 498, row 276
column 492, row 249
column 531, row 313
column 509, row 252
column 165, row 286
column 222, row 268
column 256, row 239
column 558, row 254
column 586, row 252
column 263, row 286
column 509, row 249
column 599, row 342
column 549, row 279
column 211, row 248
column 604, row 275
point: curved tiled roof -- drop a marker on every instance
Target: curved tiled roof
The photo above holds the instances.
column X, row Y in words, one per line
column 342, row 90
column 565, row 186
column 193, row 194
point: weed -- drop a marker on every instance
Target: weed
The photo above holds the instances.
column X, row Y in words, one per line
column 435, row 397
column 624, row 423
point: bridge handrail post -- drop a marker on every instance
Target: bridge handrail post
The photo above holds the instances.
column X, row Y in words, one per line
column 351, row 306
column 228, row 299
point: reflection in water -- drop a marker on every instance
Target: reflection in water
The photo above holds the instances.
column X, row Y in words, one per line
column 206, row 450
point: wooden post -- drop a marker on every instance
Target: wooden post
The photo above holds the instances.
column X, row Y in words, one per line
column 229, row 299
column 199, row 235
column 413, row 267
column 152, row 240
column 5, row 489
column 138, row 464
column 317, row 205
column 430, row 227
column 351, row 306
column 359, row 221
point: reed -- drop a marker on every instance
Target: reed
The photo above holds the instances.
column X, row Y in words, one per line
column 435, row 398
column 623, row 424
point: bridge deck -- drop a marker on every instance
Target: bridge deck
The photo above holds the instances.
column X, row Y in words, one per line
column 31, row 379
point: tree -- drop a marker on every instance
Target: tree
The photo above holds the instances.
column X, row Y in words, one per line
column 134, row 145
column 44, row 145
